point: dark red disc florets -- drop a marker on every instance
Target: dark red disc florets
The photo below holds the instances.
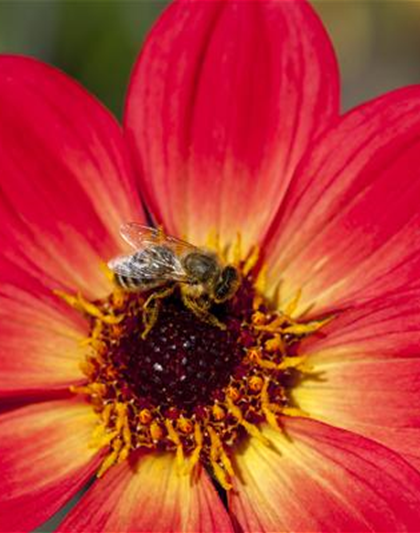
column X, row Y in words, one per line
column 182, row 361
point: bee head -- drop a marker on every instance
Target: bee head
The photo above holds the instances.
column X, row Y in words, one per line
column 227, row 284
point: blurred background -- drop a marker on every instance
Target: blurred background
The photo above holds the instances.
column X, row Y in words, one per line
column 96, row 42
column 377, row 41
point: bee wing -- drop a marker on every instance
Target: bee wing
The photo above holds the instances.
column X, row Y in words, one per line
column 156, row 263
column 140, row 237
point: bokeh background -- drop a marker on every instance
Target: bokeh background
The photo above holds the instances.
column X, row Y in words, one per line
column 96, row 42
column 377, row 41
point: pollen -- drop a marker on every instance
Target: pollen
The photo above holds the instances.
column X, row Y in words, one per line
column 184, row 385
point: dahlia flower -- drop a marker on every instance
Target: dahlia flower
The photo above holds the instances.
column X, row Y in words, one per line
column 298, row 410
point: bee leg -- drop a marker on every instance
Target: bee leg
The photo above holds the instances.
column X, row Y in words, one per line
column 150, row 317
column 159, row 295
column 151, row 309
column 200, row 308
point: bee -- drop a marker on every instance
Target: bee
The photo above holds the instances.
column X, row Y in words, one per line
column 162, row 263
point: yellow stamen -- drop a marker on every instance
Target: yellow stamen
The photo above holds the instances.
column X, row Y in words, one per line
column 233, row 394
column 293, row 304
column 98, row 389
column 81, row 304
column 80, row 389
column 255, row 355
column 294, row 411
column 307, row 328
column 267, row 407
column 108, row 462
column 237, row 249
column 292, row 362
column 271, row 418
column 124, row 453
column 126, row 434
column 156, row 431
column 121, row 412
column 118, row 298
column 217, row 453
column 257, row 302
column 251, row 260
column 261, row 281
column 218, row 412
column 118, row 295
column 274, row 326
column 87, row 367
column 106, row 414
column 250, row 428
column 198, row 436
column 213, row 240
column 101, row 437
column 185, row 425
column 117, row 330
column 126, row 437
column 195, row 456
column 111, row 459
column 221, row 476
column 107, row 271
column 94, row 336
column 256, row 383
column 174, row 437
column 258, row 318
column 145, row 416
column 275, row 344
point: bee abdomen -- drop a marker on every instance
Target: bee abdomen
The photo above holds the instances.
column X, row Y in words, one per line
column 127, row 283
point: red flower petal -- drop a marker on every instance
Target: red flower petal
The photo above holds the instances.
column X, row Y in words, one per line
column 65, row 182
column 349, row 230
column 39, row 340
column 321, row 479
column 44, row 460
column 222, row 104
column 367, row 373
column 39, row 337
column 149, row 495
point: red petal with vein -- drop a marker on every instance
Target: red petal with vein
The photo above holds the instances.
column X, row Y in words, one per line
column 350, row 228
column 149, row 495
column 320, row 479
column 223, row 101
column 65, row 184
column 39, row 338
column 44, row 460
column 366, row 373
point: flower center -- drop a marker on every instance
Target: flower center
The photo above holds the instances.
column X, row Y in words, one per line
column 185, row 384
column 182, row 363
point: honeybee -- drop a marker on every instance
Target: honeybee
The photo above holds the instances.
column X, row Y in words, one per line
column 164, row 262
